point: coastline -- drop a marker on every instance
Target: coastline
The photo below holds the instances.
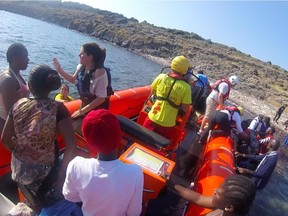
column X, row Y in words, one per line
column 251, row 105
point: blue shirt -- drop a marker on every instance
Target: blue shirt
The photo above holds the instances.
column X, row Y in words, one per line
column 203, row 78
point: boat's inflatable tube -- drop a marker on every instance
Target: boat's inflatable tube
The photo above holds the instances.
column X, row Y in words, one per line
column 128, row 102
column 218, row 164
column 5, row 159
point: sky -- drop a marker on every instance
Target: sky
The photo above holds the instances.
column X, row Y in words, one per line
column 258, row 28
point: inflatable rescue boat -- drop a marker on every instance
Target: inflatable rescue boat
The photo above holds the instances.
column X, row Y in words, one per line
column 154, row 153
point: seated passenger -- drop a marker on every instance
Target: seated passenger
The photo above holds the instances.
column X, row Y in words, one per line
column 234, row 196
column 63, row 95
column 267, row 164
column 105, row 186
column 92, row 79
column 172, row 94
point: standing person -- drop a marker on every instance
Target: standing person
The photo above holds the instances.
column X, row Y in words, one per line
column 264, row 170
column 232, row 198
column 256, row 123
column 34, row 123
column 263, row 143
column 92, row 79
column 12, row 84
column 12, row 88
column 172, row 93
column 105, row 186
column 279, row 113
column 63, row 96
column 219, row 94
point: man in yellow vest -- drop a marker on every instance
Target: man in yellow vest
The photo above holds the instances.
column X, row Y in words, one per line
column 172, row 93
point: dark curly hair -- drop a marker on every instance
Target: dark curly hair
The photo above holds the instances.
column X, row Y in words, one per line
column 239, row 191
column 43, row 79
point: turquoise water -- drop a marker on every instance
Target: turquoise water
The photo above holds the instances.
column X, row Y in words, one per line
column 45, row 41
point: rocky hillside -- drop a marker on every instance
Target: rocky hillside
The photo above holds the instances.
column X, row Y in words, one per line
column 263, row 80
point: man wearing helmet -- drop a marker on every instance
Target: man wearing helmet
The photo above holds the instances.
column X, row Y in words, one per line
column 172, row 93
column 218, row 95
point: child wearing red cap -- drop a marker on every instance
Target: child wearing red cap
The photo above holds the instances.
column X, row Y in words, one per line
column 105, row 185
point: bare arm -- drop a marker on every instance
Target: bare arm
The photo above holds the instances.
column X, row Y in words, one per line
column 96, row 102
column 70, row 78
column 221, row 99
column 7, row 134
column 9, row 92
column 66, row 130
column 185, row 107
column 194, row 197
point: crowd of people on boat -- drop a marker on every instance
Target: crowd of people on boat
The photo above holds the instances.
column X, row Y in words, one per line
column 30, row 121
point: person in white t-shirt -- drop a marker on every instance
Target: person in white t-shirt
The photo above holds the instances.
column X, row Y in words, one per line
column 256, row 123
column 105, row 186
column 219, row 94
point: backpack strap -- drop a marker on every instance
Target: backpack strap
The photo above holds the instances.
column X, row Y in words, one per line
column 171, row 103
column 109, row 87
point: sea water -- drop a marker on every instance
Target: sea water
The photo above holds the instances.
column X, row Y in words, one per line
column 45, row 41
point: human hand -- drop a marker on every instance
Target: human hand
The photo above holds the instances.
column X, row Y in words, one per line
column 165, row 175
column 56, row 64
column 238, row 154
column 76, row 114
column 244, row 136
column 243, row 170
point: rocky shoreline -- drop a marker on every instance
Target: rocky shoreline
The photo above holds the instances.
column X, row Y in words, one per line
column 263, row 80
column 264, row 85
column 252, row 105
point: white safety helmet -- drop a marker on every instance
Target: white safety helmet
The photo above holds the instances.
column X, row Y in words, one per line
column 234, row 80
